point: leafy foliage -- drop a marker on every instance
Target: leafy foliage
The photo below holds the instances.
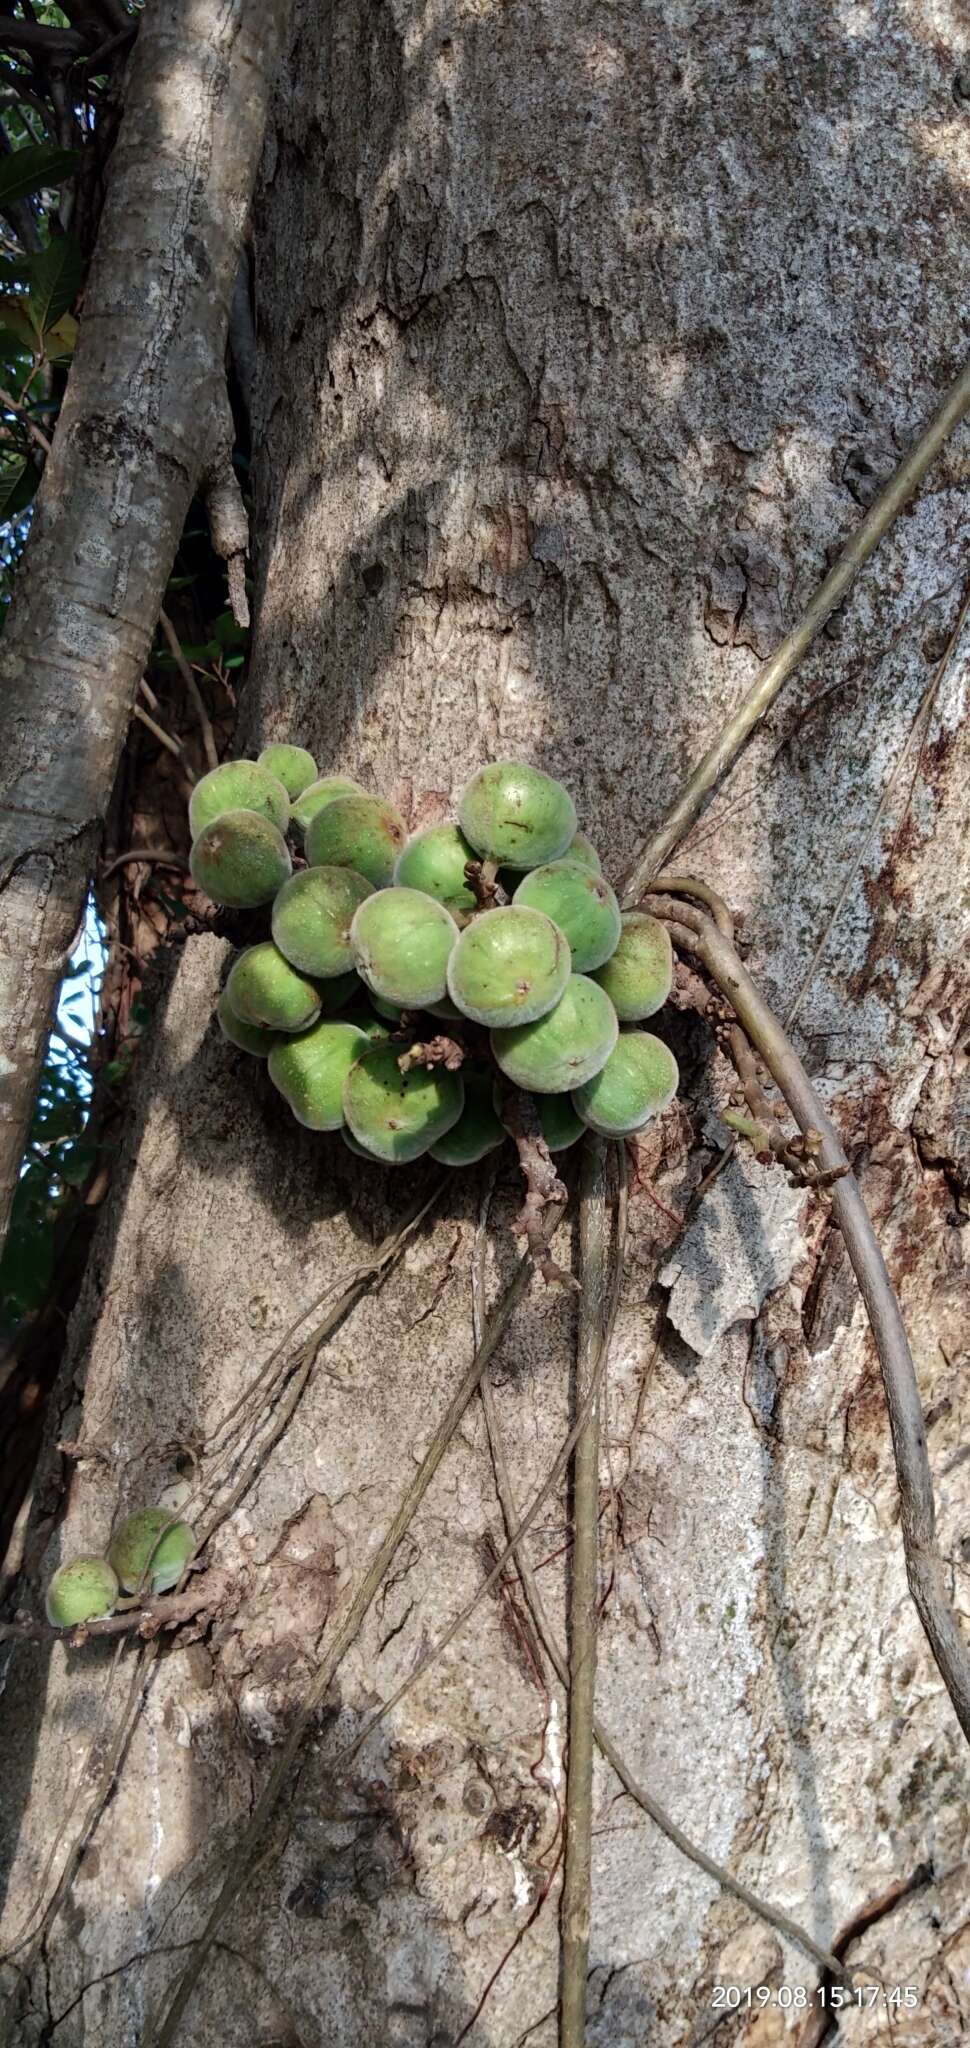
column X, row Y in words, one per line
column 33, row 168
column 60, row 1154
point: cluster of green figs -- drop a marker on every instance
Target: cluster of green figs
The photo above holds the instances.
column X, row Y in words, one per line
column 374, row 931
column 147, row 1553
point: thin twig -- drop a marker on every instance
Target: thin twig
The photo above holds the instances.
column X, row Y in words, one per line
column 822, row 2019
column 63, row 1819
column 762, row 1129
column 594, row 1248
column 924, row 1564
column 258, row 1398
column 36, row 433
column 165, row 738
column 762, row 1908
column 96, row 1804
column 866, row 836
column 170, row 1610
column 368, row 1270
column 519, row 1936
column 241, row 1864
column 492, row 1578
column 205, row 723
column 153, row 856
column 721, row 756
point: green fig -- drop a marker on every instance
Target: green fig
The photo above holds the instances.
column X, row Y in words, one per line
column 150, row 1551
column 264, row 989
column 311, row 1070
column 509, row 966
column 639, row 974
column 312, row 917
column 399, row 1116
column 582, row 850
column 360, row 832
column 391, row 1012
column 517, row 815
column 252, row 1038
column 557, row 1117
column 292, row 766
column 240, row 860
column 402, row 941
column 478, row 1129
column 446, row 1010
column 560, row 1124
column 435, row 861
column 565, row 1047
column 353, row 1146
column 339, row 990
column 638, row 1081
column 319, row 793
column 238, row 786
column 580, row 903
column 374, row 1028
column 81, row 1591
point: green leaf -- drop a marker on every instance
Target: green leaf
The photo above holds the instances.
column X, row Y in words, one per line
column 173, row 906
column 228, row 632
column 27, row 1265
column 61, row 341
column 14, row 270
column 55, row 280
column 80, row 1161
column 18, row 482
column 65, row 1120
column 29, row 170
column 15, row 317
column 15, row 356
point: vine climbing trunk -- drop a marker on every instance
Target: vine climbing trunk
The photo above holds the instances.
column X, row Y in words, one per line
column 143, row 414
column 582, row 347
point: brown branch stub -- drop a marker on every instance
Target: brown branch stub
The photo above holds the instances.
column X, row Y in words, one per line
column 435, row 1052
column 544, row 1189
column 203, row 1595
column 481, row 876
column 228, row 518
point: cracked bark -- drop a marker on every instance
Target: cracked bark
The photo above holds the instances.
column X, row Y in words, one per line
column 117, row 486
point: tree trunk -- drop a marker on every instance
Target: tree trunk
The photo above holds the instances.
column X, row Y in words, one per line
column 581, row 343
column 141, row 420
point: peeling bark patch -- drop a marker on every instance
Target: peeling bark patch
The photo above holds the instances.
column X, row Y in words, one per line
column 745, row 1242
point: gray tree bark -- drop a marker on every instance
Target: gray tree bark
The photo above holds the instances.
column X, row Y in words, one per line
column 583, row 334
column 143, row 412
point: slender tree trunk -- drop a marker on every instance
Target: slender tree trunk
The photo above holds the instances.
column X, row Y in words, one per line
column 582, row 337
column 143, row 407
